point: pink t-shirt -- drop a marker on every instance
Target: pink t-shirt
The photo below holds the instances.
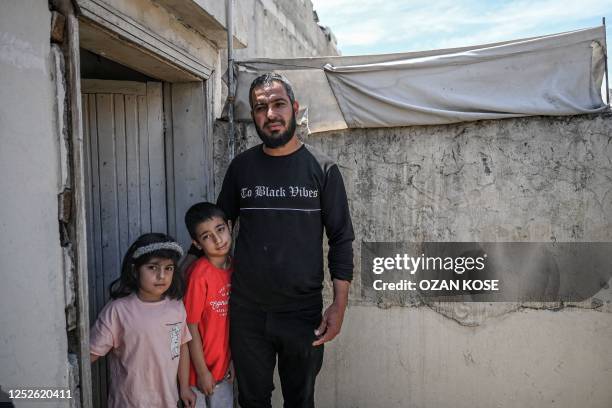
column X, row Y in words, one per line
column 144, row 341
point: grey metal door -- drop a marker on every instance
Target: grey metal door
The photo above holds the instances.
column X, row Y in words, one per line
column 126, row 183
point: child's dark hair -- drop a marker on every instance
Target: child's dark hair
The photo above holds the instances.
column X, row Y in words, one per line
column 201, row 212
column 146, row 247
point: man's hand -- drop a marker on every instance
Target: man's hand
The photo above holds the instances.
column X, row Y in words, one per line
column 334, row 315
column 188, row 397
column 206, row 383
column 330, row 324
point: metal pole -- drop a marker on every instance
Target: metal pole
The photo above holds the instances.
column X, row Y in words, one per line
column 231, row 143
column 606, row 61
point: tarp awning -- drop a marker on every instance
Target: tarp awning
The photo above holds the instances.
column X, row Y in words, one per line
column 559, row 74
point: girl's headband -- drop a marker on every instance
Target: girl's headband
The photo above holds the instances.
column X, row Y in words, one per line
column 171, row 245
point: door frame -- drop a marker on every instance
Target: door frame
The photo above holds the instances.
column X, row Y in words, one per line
column 188, row 121
column 107, row 31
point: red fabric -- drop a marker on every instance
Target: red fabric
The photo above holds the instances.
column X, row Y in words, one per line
column 207, row 302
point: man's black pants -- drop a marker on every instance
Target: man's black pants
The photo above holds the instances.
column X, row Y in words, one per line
column 257, row 337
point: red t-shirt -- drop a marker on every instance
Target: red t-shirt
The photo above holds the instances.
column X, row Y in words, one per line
column 207, row 302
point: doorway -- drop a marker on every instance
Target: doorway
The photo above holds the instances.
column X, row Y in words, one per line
column 125, row 183
column 147, row 157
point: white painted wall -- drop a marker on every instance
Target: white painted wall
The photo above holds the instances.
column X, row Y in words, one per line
column 33, row 346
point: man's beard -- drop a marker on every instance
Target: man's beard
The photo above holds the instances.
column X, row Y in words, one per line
column 278, row 140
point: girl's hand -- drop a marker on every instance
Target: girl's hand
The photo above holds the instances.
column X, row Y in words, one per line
column 206, row 383
column 188, row 397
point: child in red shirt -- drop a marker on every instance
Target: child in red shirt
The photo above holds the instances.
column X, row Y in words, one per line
column 206, row 301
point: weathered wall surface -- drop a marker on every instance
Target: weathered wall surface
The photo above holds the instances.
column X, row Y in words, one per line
column 414, row 357
column 167, row 26
column 281, row 29
column 526, row 179
column 33, row 344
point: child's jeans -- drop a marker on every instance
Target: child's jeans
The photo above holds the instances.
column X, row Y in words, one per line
column 222, row 397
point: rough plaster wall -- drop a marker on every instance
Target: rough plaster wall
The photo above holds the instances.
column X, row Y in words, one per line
column 33, row 349
column 525, row 179
column 304, row 22
column 281, row 29
column 414, row 357
column 528, row 179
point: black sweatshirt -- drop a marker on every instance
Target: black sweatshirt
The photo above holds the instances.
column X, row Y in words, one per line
column 283, row 203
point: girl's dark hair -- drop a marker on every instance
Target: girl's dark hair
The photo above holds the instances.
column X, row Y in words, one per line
column 128, row 282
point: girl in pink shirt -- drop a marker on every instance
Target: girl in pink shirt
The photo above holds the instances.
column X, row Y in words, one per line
column 144, row 328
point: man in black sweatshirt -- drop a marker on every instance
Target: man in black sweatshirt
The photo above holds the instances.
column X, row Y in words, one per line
column 285, row 194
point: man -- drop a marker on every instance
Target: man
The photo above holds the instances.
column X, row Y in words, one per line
column 285, row 194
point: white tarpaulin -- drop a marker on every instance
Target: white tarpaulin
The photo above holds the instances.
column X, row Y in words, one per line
column 558, row 74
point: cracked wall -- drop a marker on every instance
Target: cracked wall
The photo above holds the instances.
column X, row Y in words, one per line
column 541, row 179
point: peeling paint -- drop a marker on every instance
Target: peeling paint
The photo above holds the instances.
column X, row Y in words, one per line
column 60, row 115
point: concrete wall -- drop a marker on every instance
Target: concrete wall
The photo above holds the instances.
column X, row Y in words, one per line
column 415, row 357
column 281, row 29
column 33, row 344
column 526, row 179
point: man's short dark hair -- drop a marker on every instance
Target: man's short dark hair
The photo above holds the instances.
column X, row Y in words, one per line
column 199, row 213
column 266, row 80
